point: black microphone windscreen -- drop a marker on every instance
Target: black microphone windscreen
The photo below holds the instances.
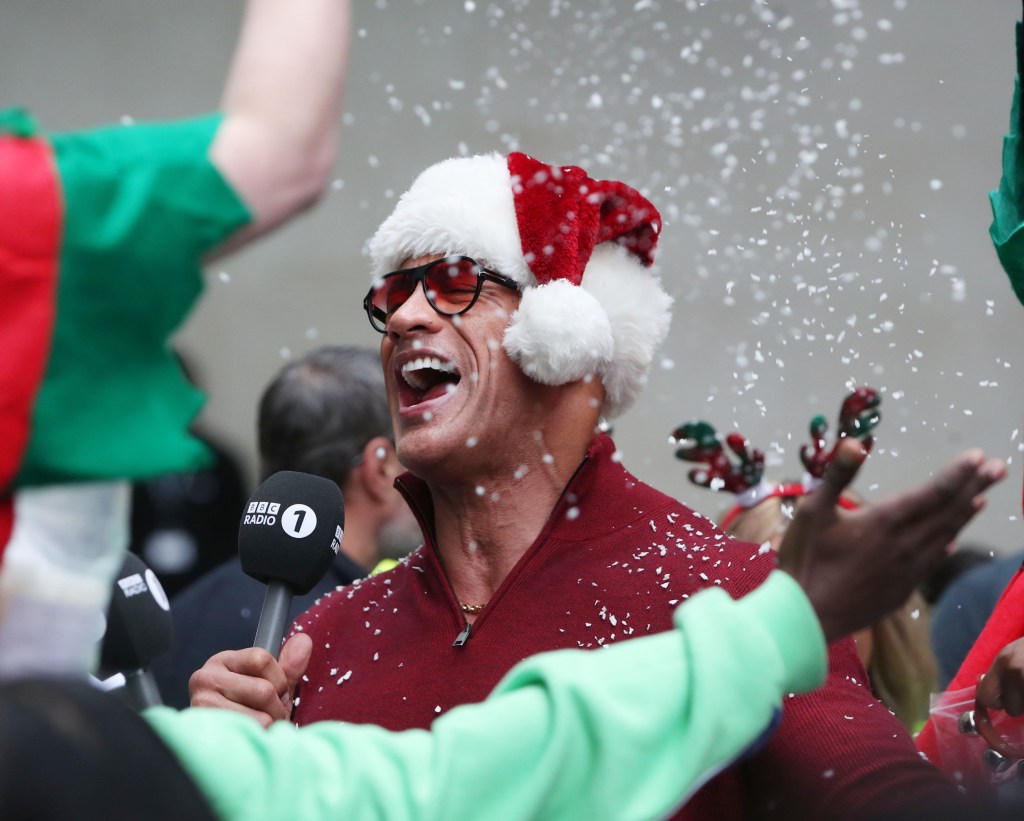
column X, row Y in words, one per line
column 139, row 626
column 291, row 530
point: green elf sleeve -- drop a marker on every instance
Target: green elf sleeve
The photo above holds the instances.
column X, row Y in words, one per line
column 1007, row 230
column 141, row 205
column 626, row 732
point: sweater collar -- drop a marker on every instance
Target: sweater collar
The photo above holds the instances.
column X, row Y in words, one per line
column 599, row 498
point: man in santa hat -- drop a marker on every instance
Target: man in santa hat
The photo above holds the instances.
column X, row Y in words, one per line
column 518, row 309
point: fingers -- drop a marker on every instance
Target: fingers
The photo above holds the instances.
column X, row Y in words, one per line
column 920, row 524
column 247, row 681
column 937, row 495
column 969, row 475
column 294, row 659
column 949, row 500
column 863, row 563
column 1012, row 698
column 841, row 471
column 1002, row 687
column 956, row 504
column 988, row 690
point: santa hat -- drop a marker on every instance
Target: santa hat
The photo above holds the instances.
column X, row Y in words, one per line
column 579, row 249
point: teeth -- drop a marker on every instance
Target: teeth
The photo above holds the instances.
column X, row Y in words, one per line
column 410, row 368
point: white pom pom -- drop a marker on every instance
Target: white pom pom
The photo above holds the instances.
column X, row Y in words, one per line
column 639, row 311
column 559, row 334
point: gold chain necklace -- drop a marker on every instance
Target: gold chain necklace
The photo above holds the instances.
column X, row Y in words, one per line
column 472, row 609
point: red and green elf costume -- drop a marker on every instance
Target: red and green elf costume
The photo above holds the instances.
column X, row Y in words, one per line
column 102, row 237
column 102, row 234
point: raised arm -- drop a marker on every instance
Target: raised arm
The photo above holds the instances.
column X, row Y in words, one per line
column 282, row 104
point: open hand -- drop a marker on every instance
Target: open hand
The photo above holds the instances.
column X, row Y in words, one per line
column 856, row 566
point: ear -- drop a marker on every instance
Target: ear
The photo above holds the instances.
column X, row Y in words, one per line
column 379, row 467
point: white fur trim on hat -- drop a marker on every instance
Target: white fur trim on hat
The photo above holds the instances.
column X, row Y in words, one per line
column 460, row 206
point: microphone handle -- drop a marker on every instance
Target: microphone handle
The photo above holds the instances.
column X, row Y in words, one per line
column 273, row 617
column 141, row 689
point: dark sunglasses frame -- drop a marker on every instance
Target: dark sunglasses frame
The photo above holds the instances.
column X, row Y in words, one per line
column 418, row 275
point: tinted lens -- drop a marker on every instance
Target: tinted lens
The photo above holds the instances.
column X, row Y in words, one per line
column 392, row 291
column 452, row 284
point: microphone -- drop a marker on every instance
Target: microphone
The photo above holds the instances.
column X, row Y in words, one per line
column 288, row 537
column 138, row 630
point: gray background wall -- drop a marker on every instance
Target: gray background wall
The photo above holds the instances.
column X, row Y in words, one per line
column 822, row 169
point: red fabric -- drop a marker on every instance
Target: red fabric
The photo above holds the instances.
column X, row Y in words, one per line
column 1006, row 624
column 30, row 228
column 562, row 214
column 6, row 522
column 613, row 560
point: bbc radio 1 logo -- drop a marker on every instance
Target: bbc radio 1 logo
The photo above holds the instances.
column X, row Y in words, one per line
column 136, row 584
column 261, row 513
column 297, row 520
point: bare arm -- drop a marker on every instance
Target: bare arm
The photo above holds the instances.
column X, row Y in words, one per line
column 281, row 105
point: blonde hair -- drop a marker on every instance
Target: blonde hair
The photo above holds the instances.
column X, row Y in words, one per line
column 900, row 665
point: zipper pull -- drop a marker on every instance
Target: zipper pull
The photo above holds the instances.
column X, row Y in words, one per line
column 462, row 638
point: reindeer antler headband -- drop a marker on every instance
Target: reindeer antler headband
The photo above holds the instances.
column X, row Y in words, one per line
column 698, row 442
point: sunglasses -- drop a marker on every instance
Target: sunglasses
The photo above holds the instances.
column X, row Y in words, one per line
column 451, row 284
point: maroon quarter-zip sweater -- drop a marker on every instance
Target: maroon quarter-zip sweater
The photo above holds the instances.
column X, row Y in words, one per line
column 614, row 559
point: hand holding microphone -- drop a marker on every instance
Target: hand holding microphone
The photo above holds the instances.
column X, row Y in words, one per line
column 289, row 534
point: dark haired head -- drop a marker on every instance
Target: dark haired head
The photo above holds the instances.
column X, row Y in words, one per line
column 319, row 412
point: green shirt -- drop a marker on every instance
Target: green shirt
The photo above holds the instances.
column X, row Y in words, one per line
column 140, row 206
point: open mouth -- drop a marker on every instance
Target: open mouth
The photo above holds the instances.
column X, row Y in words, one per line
column 426, row 378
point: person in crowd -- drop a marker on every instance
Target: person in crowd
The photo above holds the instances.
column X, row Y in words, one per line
column 103, row 233
column 895, row 651
column 517, row 307
column 325, row 413
column 625, row 733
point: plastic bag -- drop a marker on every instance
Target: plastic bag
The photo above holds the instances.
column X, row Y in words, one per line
column 965, row 756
